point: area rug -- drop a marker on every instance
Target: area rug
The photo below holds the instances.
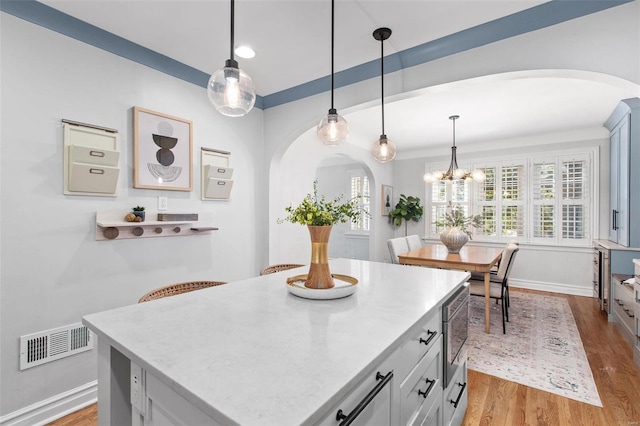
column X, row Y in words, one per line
column 542, row 348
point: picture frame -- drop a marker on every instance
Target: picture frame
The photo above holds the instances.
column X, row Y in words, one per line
column 386, row 200
column 163, row 151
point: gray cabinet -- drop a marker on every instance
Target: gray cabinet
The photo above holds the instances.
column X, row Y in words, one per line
column 624, row 192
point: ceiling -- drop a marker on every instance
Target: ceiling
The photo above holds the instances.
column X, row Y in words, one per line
column 292, row 44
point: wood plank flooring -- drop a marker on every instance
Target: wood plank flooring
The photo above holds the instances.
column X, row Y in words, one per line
column 493, row 401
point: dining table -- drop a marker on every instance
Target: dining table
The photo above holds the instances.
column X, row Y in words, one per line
column 470, row 258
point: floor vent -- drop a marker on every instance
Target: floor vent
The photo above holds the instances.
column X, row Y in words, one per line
column 50, row 345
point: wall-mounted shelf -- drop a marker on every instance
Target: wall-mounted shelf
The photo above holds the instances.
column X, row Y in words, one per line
column 112, row 226
column 91, row 159
column 216, row 182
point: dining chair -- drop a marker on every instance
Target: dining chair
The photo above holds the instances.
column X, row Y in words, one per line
column 494, row 270
column 397, row 246
column 414, row 242
column 499, row 287
column 173, row 289
column 272, row 269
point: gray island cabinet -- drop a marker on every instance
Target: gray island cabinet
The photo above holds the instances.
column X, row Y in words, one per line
column 250, row 353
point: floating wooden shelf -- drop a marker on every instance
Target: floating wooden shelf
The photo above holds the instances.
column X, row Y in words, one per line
column 112, row 226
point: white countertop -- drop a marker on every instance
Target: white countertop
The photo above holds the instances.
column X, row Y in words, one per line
column 250, row 353
column 610, row 245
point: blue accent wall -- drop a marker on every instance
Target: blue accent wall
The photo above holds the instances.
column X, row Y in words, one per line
column 541, row 16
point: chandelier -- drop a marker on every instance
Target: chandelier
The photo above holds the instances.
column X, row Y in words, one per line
column 454, row 172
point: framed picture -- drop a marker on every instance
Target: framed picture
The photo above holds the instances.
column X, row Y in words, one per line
column 162, row 151
column 387, row 199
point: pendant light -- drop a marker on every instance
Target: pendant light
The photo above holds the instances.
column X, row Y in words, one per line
column 230, row 89
column 454, row 173
column 383, row 149
column 333, row 129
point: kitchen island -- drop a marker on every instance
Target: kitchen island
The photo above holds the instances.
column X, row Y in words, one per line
column 250, row 353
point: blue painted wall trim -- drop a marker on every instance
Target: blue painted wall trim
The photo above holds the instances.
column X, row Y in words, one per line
column 544, row 15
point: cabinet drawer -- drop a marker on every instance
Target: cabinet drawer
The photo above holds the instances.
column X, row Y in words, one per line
column 455, row 398
column 422, row 386
column 420, row 341
column 93, row 178
column 625, row 311
column 84, row 154
column 433, row 414
column 376, row 412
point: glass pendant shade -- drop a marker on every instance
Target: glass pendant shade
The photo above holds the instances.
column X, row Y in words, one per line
column 231, row 90
column 383, row 149
column 333, row 129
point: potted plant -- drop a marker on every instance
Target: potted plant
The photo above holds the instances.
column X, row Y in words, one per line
column 408, row 208
column 138, row 211
column 319, row 215
column 457, row 232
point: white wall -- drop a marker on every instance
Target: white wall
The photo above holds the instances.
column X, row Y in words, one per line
column 52, row 270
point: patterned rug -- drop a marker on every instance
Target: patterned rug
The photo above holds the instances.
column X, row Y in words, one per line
column 542, row 348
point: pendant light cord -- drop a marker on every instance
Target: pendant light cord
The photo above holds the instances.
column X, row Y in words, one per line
column 382, row 79
column 454, row 131
column 332, row 26
column 232, row 29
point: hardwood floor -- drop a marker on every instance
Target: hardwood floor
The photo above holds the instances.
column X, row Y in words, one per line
column 493, row 401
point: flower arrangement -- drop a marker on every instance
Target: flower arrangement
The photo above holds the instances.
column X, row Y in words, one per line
column 315, row 210
column 456, row 218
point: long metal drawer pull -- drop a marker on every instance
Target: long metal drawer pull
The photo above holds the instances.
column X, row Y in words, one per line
column 348, row 419
column 618, row 302
column 96, row 171
column 425, row 393
column 96, row 153
column 432, row 334
column 457, row 401
column 628, row 312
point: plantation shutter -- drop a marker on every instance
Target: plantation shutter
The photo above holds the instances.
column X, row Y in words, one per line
column 544, row 200
column 486, row 202
column 512, row 197
column 575, row 199
column 359, row 187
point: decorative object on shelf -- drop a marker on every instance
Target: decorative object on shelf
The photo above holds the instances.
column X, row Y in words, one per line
column 130, row 217
column 383, row 149
column 138, row 211
column 162, row 153
column 332, row 129
column 457, row 232
column 187, row 217
column 230, row 89
column 408, row 208
column 91, row 159
column 386, row 199
column 454, row 173
column 216, row 182
column 320, row 215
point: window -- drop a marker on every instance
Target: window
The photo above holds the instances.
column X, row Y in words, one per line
column 359, row 187
column 558, row 210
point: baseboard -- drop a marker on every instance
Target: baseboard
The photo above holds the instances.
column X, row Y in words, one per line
column 551, row 287
column 53, row 408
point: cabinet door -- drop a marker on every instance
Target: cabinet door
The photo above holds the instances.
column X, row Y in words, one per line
column 614, row 155
column 622, row 221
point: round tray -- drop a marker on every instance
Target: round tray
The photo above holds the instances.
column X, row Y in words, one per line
column 344, row 286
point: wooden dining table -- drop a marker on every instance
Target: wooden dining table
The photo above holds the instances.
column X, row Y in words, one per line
column 470, row 258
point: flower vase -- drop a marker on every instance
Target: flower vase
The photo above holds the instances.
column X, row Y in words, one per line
column 454, row 239
column 319, row 276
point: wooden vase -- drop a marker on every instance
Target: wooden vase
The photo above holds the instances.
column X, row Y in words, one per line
column 319, row 276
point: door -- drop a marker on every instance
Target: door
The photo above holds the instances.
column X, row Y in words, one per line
column 622, row 221
column 614, row 155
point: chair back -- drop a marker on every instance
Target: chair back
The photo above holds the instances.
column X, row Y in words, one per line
column 397, row 246
column 414, row 242
column 506, row 263
column 272, row 269
column 173, row 289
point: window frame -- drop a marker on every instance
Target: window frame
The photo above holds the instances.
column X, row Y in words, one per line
column 591, row 157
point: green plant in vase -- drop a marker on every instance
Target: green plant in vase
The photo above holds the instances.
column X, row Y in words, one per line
column 319, row 215
column 457, row 228
column 138, row 211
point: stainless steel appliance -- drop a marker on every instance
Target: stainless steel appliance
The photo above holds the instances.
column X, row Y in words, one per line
column 601, row 277
column 455, row 330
